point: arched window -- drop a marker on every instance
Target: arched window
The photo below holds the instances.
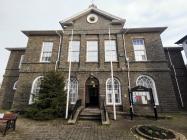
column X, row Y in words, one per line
column 35, row 89
column 148, row 82
column 117, row 91
column 15, row 85
column 73, row 93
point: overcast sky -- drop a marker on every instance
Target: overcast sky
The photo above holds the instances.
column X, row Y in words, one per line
column 17, row 15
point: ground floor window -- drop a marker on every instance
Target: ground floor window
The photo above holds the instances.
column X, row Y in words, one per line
column 117, row 91
column 73, row 91
column 73, row 94
column 35, row 89
column 147, row 82
column 15, row 85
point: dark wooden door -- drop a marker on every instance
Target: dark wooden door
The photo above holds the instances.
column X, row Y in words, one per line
column 93, row 95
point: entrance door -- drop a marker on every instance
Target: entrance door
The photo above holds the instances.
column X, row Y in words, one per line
column 92, row 92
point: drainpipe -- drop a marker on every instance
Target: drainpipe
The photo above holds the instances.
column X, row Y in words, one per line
column 59, row 50
column 128, row 75
column 127, row 60
column 178, row 88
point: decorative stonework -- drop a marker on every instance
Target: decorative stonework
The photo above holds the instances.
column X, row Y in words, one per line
column 92, row 18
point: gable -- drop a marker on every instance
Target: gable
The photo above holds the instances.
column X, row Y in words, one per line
column 80, row 20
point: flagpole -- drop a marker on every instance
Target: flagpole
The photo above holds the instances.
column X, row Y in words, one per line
column 112, row 78
column 69, row 75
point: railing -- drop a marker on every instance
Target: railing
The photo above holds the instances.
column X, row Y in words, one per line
column 103, row 107
column 77, row 105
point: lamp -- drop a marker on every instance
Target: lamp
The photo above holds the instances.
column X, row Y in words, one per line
column 93, row 83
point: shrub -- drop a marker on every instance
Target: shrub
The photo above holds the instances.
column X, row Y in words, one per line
column 50, row 102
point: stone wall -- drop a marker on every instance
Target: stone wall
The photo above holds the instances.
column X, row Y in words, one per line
column 178, row 66
column 10, row 77
column 155, row 67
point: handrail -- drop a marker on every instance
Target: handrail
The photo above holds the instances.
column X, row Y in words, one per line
column 105, row 110
column 77, row 105
column 103, row 107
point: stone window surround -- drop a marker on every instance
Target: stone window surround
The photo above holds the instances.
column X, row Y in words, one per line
column 116, row 59
column 42, row 52
column 99, row 51
column 76, row 85
column 21, row 60
column 90, row 51
column 15, row 85
column 155, row 95
column 32, row 89
column 74, row 51
column 139, row 37
column 120, row 99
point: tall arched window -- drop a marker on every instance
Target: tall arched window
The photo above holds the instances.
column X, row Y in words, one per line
column 117, row 91
column 148, row 82
column 73, row 93
column 35, row 89
column 15, row 85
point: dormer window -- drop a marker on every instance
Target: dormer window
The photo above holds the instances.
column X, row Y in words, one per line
column 92, row 18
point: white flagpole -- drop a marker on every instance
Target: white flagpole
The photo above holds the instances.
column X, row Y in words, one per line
column 69, row 75
column 112, row 78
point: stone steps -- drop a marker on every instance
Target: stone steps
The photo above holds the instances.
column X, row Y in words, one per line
column 90, row 114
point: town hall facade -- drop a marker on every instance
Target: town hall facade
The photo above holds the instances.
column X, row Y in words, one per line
column 91, row 40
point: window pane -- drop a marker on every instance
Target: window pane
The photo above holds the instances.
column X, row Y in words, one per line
column 110, row 50
column 148, row 83
column 139, row 47
column 92, row 46
column 110, row 56
column 21, row 60
column 92, row 56
column 138, row 41
column 35, row 89
column 74, row 47
column 92, row 51
column 110, row 43
column 139, row 50
column 73, row 93
column 117, row 91
column 47, row 46
column 75, row 56
column 140, row 56
column 46, row 51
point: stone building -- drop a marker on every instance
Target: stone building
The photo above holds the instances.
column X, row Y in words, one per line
column 91, row 53
column 178, row 74
column 183, row 42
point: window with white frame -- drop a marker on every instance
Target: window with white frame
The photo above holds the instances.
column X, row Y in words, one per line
column 147, row 82
column 139, row 49
column 73, row 94
column 92, row 51
column 117, row 91
column 46, row 52
column 74, row 50
column 15, row 85
column 21, row 60
column 35, row 89
column 110, row 51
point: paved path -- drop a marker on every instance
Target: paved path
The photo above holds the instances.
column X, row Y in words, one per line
column 87, row 130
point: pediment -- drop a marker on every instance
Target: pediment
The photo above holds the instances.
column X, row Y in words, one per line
column 92, row 10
